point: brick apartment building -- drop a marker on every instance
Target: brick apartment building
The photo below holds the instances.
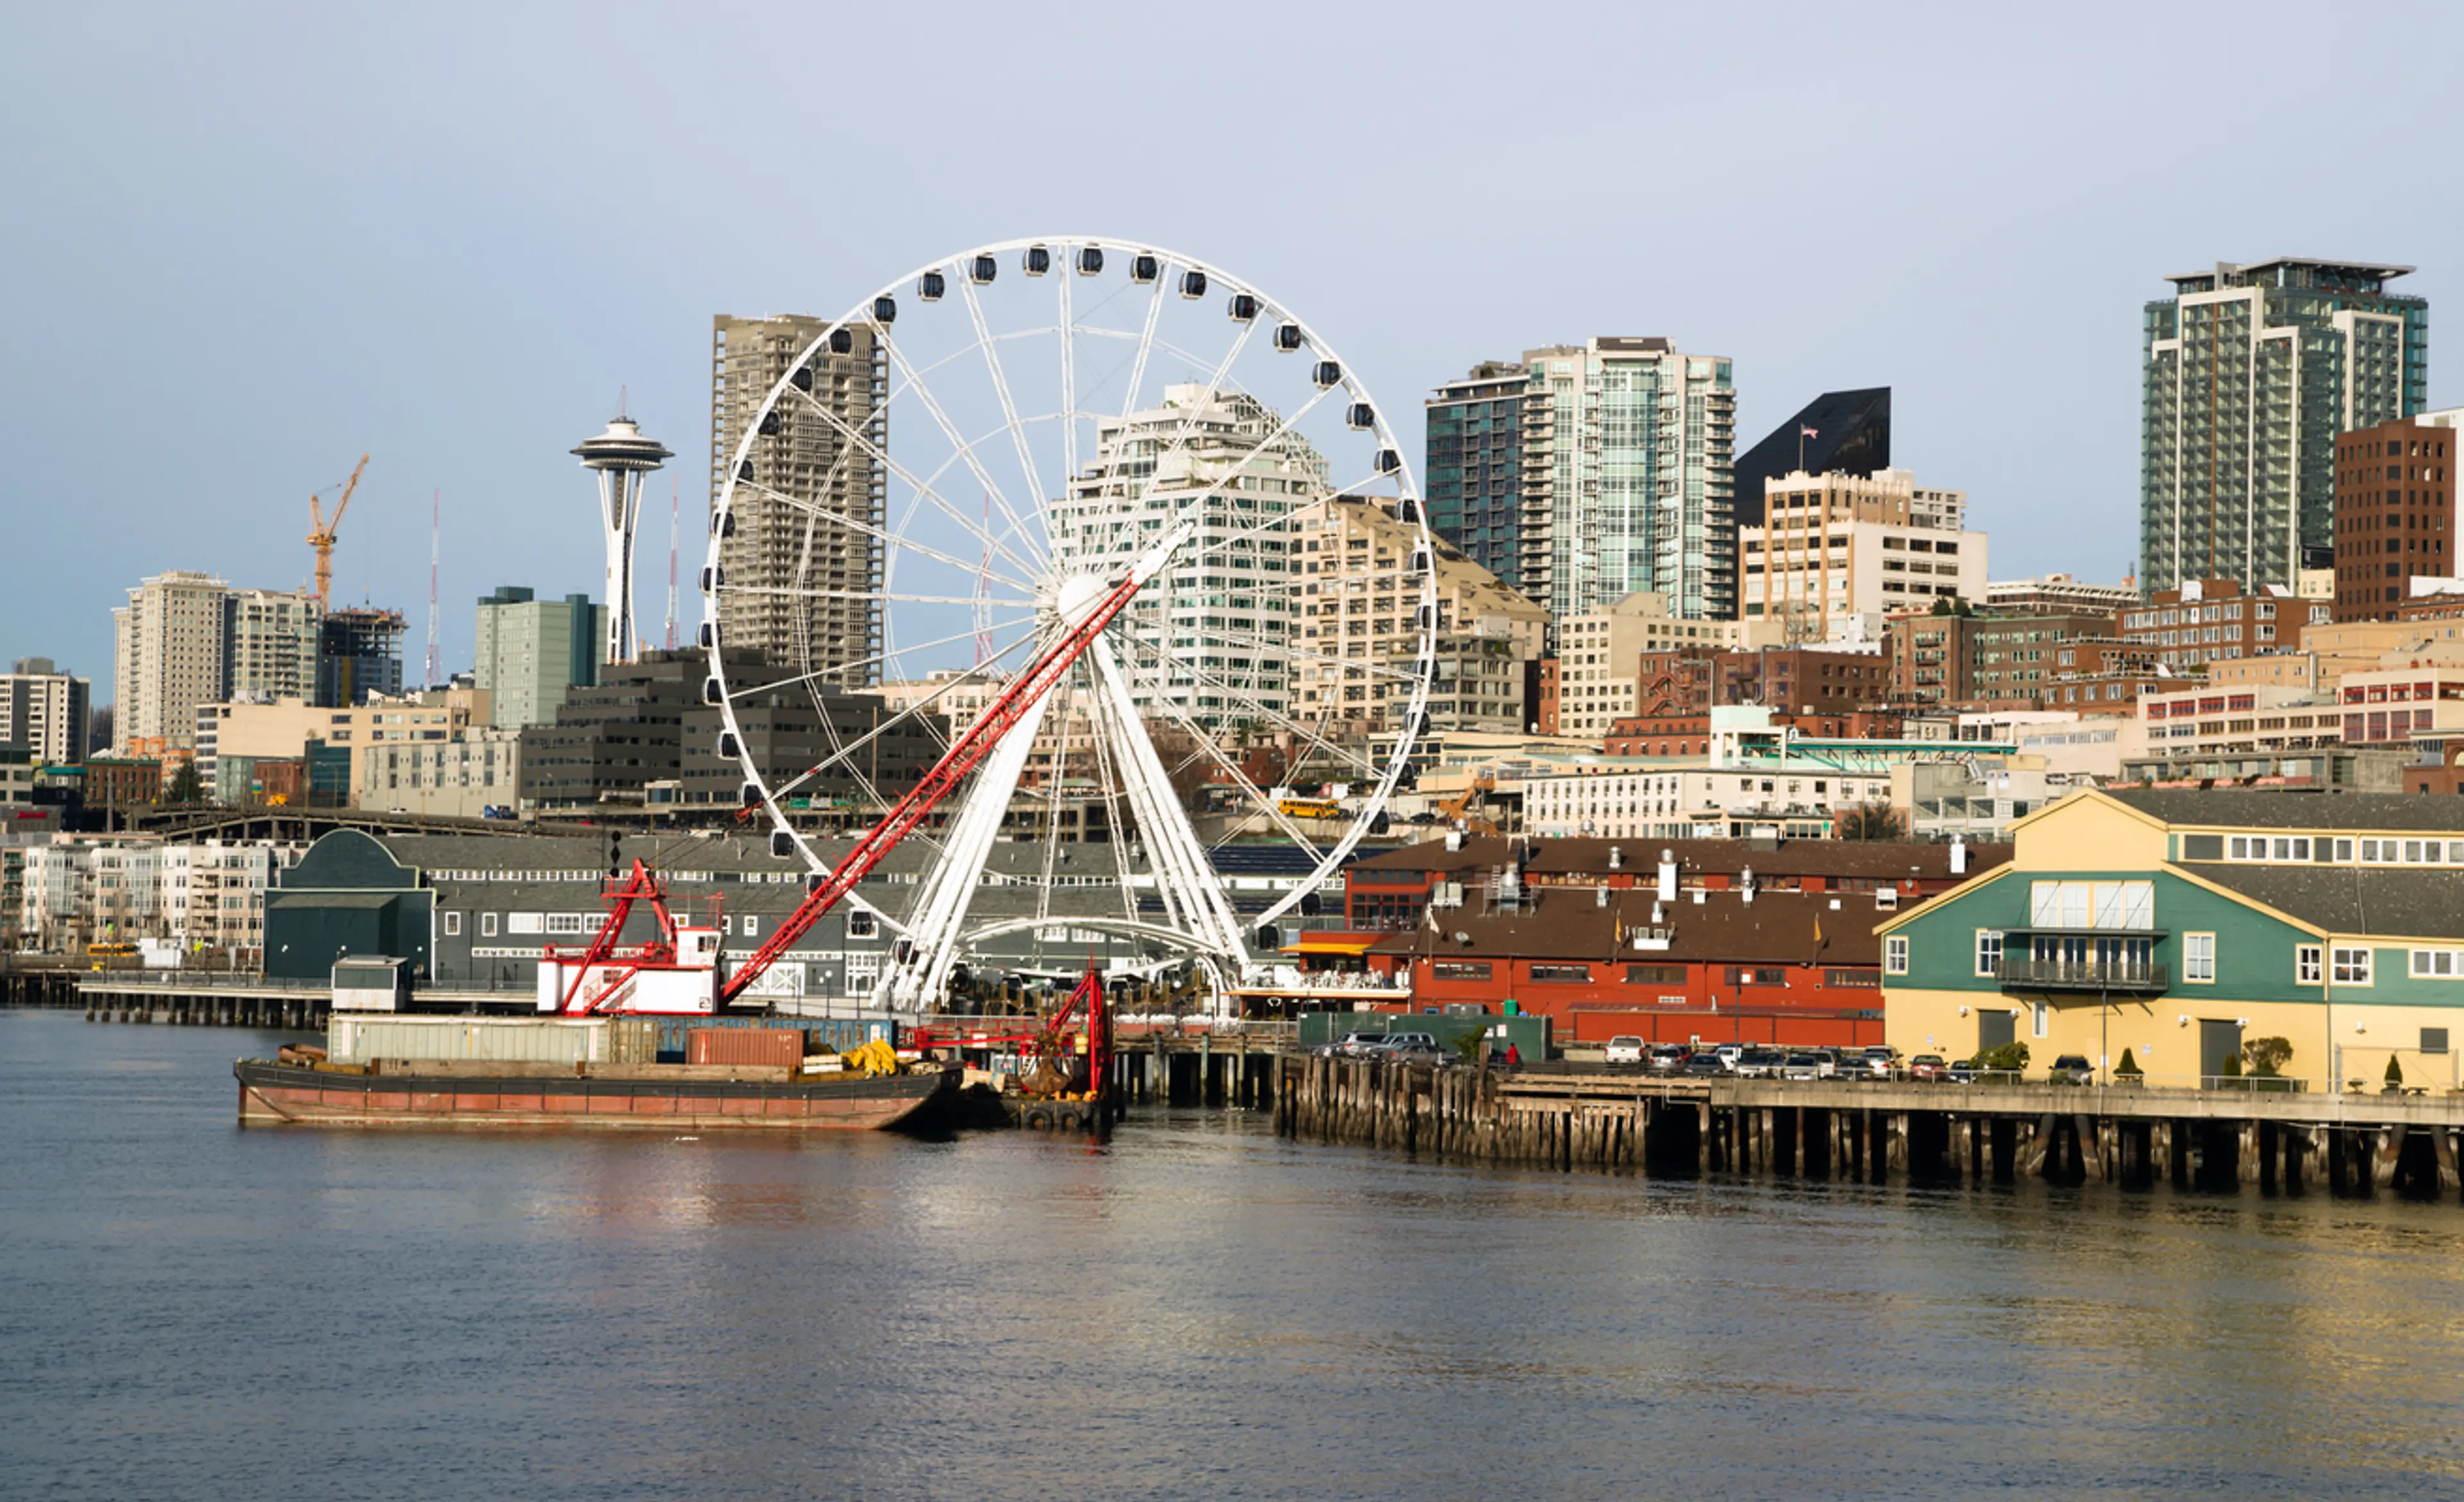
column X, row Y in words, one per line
column 2396, row 516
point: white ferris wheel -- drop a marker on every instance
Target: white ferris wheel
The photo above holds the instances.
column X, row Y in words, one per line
column 934, row 486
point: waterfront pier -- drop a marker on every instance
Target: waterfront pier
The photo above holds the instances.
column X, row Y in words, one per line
column 2346, row 1144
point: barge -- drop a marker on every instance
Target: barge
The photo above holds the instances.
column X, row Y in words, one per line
column 639, row 1096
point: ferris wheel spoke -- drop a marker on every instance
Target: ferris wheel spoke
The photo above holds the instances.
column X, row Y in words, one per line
column 922, row 390
column 1264, row 803
column 897, row 542
column 909, row 714
column 1001, row 384
column 881, row 456
column 1108, row 784
column 1068, row 389
column 1146, row 348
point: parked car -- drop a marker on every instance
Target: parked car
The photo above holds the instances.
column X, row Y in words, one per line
column 1667, row 1058
column 1759, row 1063
column 1927, row 1067
column 1802, row 1066
column 1961, row 1072
column 2071, row 1069
column 1699, row 1066
column 1349, row 1044
column 1729, row 1053
column 1409, row 1047
column 1877, row 1061
column 1624, row 1049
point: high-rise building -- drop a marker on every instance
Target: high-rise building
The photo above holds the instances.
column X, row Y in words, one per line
column 1628, row 459
column 1474, row 469
column 1355, row 655
column 358, row 656
column 1843, row 433
column 271, row 643
column 804, row 559
column 1835, row 554
column 168, row 657
column 46, row 711
column 2396, row 516
column 2248, row 375
column 533, row 652
column 1211, row 635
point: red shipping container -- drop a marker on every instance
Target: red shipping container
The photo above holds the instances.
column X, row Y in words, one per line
column 776, row 1048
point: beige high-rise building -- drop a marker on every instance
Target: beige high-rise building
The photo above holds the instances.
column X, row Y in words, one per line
column 45, row 709
column 167, row 658
column 1838, row 553
column 1353, row 661
column 801, row 583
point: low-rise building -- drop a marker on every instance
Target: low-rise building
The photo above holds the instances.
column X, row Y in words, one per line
column 2212, row 620
column 2177, row 926
column 2394, row 516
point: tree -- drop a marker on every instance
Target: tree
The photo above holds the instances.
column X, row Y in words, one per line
column 1872, row 823
column 187, row 787
column 2267, row 1056
column 1952, row 605
column 2129, row 1065
column 2394, row 1075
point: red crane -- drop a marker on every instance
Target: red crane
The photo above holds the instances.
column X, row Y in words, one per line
column 1002, row 716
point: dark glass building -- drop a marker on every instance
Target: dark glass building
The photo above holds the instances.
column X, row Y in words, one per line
column 358, row 653
column 1475, row 466
column 1852, row 435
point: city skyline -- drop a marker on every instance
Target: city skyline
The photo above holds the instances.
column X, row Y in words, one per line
column 347, row 310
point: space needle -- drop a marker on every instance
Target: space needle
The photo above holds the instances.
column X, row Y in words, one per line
column 622, row 457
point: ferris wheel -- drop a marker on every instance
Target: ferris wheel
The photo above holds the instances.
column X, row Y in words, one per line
column 929, row 492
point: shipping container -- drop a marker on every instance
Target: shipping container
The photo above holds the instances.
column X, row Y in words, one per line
column 632, row 1040
column 753, row 1046
column 838, row 1034
column 507, row 1040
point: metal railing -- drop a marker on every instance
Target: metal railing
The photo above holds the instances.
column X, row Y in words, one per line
column 2083, row 975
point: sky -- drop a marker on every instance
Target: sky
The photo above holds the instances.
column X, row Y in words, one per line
column 242, row 245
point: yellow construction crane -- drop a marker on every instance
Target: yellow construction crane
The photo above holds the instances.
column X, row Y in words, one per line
column 320, row 534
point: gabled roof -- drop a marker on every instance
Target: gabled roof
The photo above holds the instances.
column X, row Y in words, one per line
column 1775, row 928
column 2405, row 902
column 2281, row 808
column 1843, row 858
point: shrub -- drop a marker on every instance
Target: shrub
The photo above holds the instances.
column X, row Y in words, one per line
column 2129, row 1065
column 2394, row 1070
column 2010, row 1058
column 2267, row 1056
column 2230, row 1068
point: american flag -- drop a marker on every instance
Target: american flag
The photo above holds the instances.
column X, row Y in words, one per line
column 1807, row 433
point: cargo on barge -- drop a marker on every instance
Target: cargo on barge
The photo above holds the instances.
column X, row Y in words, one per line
column 639, row 1096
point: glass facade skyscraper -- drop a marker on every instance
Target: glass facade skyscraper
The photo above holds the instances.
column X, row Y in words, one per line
column 2248, row 375
column 1628, row 470
column 1475, row 466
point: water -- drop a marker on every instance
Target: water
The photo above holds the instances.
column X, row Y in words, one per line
column 192, row 1311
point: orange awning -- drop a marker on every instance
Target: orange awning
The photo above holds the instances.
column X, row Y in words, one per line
column 1325, row 943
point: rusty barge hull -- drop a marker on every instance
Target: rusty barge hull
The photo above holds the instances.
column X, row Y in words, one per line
column 282, row 1094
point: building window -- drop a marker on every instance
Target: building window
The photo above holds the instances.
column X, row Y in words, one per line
column 565, row 924
column 752, row 925
column 2444, row 964
column 487, row 925
column 1459, row 970
column 1561, row 974
column 453, row 924
column 2351, row 966
column 2040, row 1020
column 2309, row 964
column 1989, row 952
column 2433, row 1040
column 2199, row 958
column 1895, row 955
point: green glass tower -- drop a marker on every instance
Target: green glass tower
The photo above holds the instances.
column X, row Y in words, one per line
column 2249, row 372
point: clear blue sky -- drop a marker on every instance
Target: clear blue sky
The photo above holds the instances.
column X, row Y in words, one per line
column 241, row 245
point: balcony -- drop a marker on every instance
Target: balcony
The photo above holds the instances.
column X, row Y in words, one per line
column 2127, row 975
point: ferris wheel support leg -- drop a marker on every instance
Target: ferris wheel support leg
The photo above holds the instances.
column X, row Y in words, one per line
column 941, row 906
column 1173, row 849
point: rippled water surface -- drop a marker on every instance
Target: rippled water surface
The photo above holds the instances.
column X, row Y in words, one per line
column 192, row 1311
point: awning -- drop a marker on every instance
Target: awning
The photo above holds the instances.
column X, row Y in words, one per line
column 1336, row 944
